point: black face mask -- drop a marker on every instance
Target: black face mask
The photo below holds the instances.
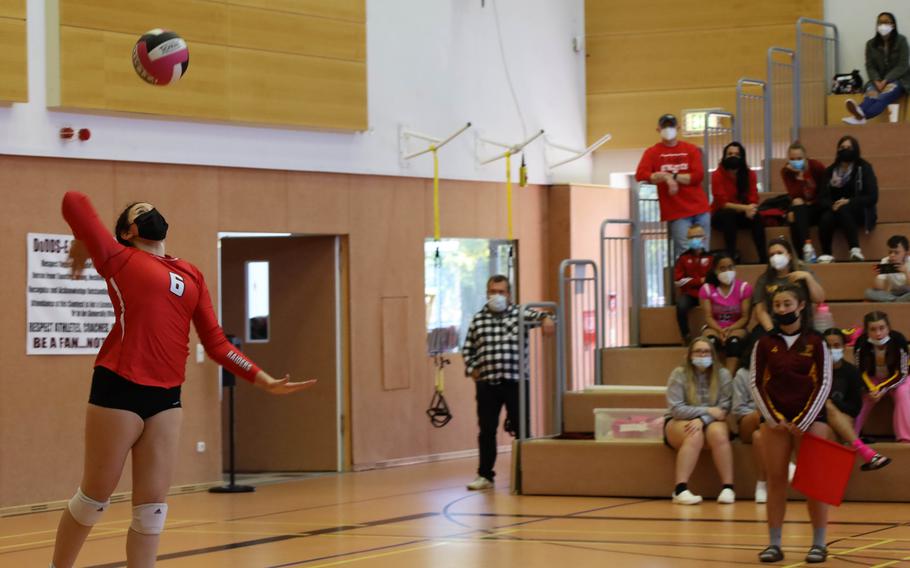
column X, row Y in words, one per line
column 847, row 155
column 151, row 225
column 785, row 319
column 732, row 162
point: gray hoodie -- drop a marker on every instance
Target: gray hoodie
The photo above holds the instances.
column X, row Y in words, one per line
column 681, row 409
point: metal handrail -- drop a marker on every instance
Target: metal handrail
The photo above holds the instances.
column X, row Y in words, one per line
column 744, row 119
column 598, row 314
column 636, row 265
column 797, row 96
column 769, row 108
column 523, row 365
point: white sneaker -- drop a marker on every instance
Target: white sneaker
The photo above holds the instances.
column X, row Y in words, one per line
column 791, row 471
column 857, row 254
column 855, row 110
column 761, row 492
column 480, row 484
column 825, row 259
column 854, row 121
column 726, row 497
column 687, row 498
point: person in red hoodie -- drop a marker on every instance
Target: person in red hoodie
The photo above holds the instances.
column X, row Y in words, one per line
column 134, row 405
column 802, row 176
column 689, row 274
column 735, row 206
column 676, row 169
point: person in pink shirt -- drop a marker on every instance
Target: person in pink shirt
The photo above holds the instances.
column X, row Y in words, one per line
column 727, row 304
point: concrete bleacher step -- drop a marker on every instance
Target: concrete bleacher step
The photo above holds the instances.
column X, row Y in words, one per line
column 890, row 169
column 874, row 244
column 893, row 203
column 874, row 139
column 646, row 469
column 842, row 281
column 578, row 407
column 657, row 326
column 625, row 365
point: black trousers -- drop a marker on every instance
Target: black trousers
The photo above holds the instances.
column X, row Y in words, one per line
column 848, row 219
column 684, row 303
column 491, row 397
column 804, row 216
column 728, row 222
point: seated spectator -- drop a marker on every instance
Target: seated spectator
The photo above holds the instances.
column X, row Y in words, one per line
column 747, row 420
column 846, row 400
column 881, row 356
column 891, row 281
column 848, row 199
column 735, row 206
column 689, row 275
column 675, row 167
column 783, row 268
column 887, row 56
column 802, row 176
column 699, row 395
column 726, row 302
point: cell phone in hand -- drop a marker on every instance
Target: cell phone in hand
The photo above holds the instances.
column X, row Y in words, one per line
column 886, row 268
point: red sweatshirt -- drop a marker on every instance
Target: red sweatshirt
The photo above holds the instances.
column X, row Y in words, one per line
column 723, row 188
column 684, row 158
column 791, row 384
column 806, row 189
column 154, row 300
column 690, row 271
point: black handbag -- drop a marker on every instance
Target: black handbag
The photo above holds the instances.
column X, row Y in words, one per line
column 847, row 83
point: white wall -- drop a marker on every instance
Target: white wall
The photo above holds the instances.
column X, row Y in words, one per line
column 856, row 25
column 432, row 65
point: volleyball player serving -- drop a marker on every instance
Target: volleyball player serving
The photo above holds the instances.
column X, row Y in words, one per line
column 135, row 394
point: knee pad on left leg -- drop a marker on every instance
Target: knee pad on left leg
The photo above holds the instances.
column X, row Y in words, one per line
column 148, row 518
column 733, row 347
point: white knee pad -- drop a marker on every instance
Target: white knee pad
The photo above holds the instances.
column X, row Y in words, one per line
column 85, row 510
column 149, row 518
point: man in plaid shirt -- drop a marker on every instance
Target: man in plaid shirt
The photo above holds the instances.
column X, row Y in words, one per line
column 491, row 358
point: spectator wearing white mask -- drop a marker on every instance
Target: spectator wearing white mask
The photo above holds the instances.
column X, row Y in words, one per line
column 727, row 304
column 492, row 360
column 783, row 268
column 676, row 168
column 888, row 68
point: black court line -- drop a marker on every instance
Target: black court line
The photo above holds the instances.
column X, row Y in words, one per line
column 883, row 524
column 343, row 554
column 276, row 538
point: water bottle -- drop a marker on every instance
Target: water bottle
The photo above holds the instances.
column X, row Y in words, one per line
column 809, row 252
column 823, row 318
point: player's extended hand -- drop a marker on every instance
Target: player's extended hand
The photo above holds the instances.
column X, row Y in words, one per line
column 78, row 257
column 283, row 385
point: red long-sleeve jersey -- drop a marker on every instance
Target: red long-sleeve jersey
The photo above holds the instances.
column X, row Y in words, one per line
column 791, row 384
column 724, row 190
column 683, row 158
column 690, row 270
column 154, row 299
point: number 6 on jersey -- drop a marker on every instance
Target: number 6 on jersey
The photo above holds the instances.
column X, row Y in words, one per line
column 177, row 284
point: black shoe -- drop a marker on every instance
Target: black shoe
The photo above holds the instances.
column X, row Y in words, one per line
column 772, row 554
column 817, row 554
column 878, row 461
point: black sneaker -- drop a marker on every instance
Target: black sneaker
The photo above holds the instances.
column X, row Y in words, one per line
column 878, row 461
column 817, row 554
column 771, row 554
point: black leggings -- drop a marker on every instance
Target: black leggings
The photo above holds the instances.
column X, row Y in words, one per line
column 804, row 216
column 728, row 222
column 110, row 390
column 847, row 218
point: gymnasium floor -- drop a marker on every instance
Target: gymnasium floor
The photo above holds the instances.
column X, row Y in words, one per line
column 421, row 516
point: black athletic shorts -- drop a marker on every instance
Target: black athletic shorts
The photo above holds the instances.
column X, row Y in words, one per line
column 110, row 390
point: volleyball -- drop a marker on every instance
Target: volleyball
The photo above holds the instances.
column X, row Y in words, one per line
column 160, row 57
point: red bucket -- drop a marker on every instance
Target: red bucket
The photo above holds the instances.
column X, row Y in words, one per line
column 823, row 469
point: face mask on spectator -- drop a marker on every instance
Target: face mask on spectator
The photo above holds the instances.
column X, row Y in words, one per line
column 732, row 162
column 885, row 29
column 837, row 355
column 701, row 362
column 696, row 243
column 726, row 277
column 779, row 261
column 785, row 319
column 798, row 164
column 880, row 342
column 847, row 154
column 668, row 133
column 497, row 303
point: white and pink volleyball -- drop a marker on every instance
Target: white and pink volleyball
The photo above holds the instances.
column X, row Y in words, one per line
column 160, row 57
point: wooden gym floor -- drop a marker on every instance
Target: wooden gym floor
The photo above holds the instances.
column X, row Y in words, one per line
column 422, row 517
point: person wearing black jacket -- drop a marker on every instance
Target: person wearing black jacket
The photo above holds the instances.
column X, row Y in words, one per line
column 848, row 198
column 846, row 400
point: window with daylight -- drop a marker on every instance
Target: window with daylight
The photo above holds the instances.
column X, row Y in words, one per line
column 455, row 285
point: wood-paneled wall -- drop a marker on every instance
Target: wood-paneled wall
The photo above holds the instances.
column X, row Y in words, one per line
column 296, row 63
column 13, row 52
column 649, row 58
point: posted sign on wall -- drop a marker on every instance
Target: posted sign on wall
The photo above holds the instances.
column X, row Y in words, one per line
column 64, row 316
